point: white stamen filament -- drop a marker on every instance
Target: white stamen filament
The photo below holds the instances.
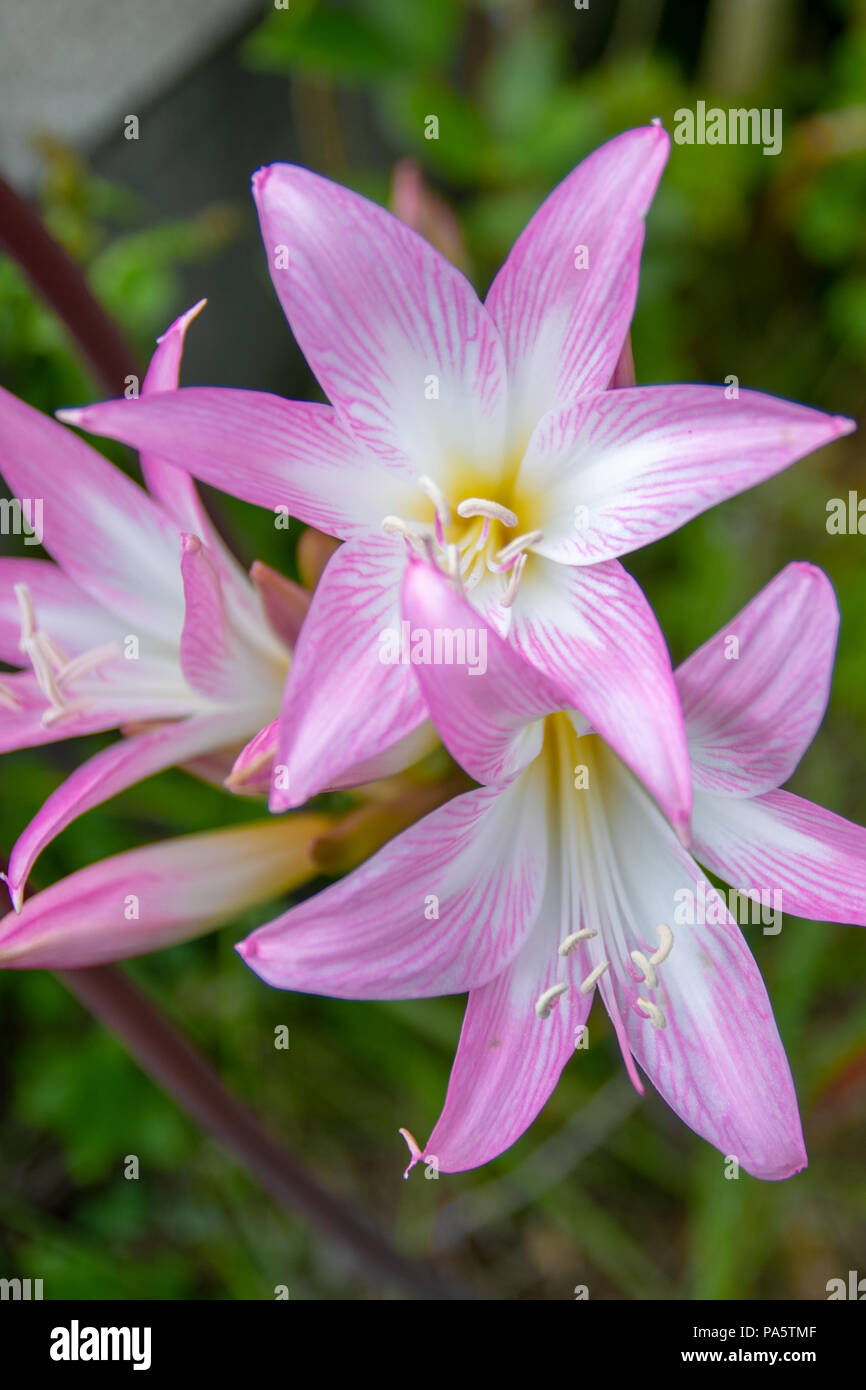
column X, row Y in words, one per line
column 650, row 977
column 653, row 1013
column 508, row 552
column 481, row 506
column 514, row 582
column 52, row 667
column 568, row 945
column 544, row 1003
column 594, row 976
column 666, row 939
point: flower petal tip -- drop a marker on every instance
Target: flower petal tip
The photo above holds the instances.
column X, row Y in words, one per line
column 683, row 828
column 843, row 425
column 16, row 892
column 182, row 322
column 76, row 415
column 415, row 1151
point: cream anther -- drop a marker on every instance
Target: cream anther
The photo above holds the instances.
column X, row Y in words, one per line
column 594, row 976
column 544, row 1003
column 640, row 960
column 666, row 940
column 653, row 1013
column 568, row 945
column 482, row 506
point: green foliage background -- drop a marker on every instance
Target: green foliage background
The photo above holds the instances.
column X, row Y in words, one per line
column 754, row 266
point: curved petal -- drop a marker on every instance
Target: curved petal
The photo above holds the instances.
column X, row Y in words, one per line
column 214, row 658
column 802, row 858
column 105, row 531
column 563, row 323
column 614, row 472
column 443, row 907
column 590, row 630
column 484, row 699
column 150, row 898
column 275, row 453
column 379, row 314
column 343, row 703
column 754, row 695
column 172, row 487
column 111, row 771
column 718, row 1060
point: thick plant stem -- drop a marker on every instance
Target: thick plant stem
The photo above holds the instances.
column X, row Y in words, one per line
column 171, row 1061
column 62, row 284
column 159, row 1048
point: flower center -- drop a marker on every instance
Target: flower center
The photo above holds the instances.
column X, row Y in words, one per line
column 581, row 787
column 469, row 540
column 54, row 670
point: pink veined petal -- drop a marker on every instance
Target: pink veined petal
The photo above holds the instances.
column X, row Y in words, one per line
column 275, row 453
column 410, row 749
column 62, row 609
column 564, row 326
column 150, row 898
column 718, row 1061
column 509, row 1060
column 754, row 695
column 111, row 771
column 343, row 704
column 253, row 767
column 803, row 859
column 172, row 486
column 590, row 630
column 395, row 334
column 608, row 474
column 484, row 699
column 175, row 490
column 285, row 603
column 104, row 530
column 214, row 658
column 439, row 909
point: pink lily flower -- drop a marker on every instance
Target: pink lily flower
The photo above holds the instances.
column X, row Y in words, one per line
column 561, row 876
column 145, row 623
column 486, row 435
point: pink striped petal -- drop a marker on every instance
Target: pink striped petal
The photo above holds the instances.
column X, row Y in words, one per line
column 343, row 704
column 590, row 630
column 275, row 453
column 780, row 844
column 150, row 898
column 564, row 326
column 754, row 695
column 609, row 474
column 718, row 1061
column 488, row 705
column 440, row 909
column 384, row 321
column 111, row 771
column 105, row 531
column 509, row 1060
column 214, row 657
